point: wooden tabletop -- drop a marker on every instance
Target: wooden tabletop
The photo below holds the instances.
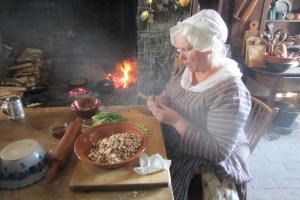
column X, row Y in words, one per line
column 35, row 126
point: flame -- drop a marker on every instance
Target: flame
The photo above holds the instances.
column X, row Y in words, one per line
column 125, row 78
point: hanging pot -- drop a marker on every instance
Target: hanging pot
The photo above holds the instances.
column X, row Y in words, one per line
column 106, row 86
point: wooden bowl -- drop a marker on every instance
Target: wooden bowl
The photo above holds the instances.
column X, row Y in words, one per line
column 277, row 67
column 296, row 16
column 86, row 107
column 288, row 43
column 275, row 59
column 84, row 143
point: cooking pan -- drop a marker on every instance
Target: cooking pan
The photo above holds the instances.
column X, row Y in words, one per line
column 34, row 89
column 77, row 82
column 39, row 100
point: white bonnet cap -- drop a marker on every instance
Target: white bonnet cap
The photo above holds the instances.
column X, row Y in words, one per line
column 204, row 30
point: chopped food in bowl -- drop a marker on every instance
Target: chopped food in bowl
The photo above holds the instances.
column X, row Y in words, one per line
column 116, row 148
column 111, row 145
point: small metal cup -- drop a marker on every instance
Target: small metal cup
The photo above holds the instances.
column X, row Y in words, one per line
column 13, row 107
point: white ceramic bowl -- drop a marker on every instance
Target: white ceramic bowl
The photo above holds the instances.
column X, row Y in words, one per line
column 23, row 163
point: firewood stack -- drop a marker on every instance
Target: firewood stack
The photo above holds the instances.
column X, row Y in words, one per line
column 31, row 68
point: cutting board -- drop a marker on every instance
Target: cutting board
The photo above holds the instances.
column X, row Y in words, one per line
column 255, row 52
column 87, row 177
column 252, row 32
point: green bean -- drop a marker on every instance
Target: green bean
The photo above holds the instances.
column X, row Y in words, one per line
column 144, row 129
column 107, row 117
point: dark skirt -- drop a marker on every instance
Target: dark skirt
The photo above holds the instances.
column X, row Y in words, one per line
column 183, row 167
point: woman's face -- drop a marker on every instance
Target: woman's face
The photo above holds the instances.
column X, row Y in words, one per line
column 194, row 60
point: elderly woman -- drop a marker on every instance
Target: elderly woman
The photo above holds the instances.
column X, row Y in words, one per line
column 203, row 110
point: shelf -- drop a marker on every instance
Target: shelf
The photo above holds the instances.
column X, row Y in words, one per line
column 287, row 21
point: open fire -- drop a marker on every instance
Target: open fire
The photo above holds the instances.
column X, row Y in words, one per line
column 123, row 77
column 125, row 74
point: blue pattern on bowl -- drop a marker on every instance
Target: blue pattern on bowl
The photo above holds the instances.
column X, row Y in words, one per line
column 31, row 170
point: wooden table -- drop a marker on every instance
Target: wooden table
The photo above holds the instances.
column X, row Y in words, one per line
column 287, row 81
column 35, row 126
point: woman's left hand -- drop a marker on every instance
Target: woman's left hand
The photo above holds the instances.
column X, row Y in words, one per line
column 165, row 114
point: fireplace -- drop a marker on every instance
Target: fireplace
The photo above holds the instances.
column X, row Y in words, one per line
column 89, row 39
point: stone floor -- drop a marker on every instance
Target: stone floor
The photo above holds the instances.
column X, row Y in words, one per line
column 275, row 167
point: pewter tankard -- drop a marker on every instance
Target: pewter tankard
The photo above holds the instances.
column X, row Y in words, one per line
column 13, row 107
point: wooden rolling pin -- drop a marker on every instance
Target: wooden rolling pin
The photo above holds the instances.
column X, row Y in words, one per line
column 64, row 149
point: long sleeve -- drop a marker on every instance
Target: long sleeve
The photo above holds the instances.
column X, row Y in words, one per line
column 216, row 119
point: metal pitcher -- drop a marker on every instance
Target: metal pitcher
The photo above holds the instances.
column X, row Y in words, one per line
column 13, row 107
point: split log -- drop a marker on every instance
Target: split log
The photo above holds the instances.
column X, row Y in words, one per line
column 17, row 75
column 31, row 78
column 29, row 58
column 26, row 79
column 31, row 84
column 32, row 50
column 9, row 81
column 23, row 79
column 22, row 66
column 11, row 91
column 48, row 62
column 28, row 69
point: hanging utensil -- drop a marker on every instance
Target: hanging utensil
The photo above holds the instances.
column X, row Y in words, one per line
column 157, row 7
column 144, row 15
column 266, row 40
column 270, row 26
column 172, row 7
column 148, row 2
column 184, row 3
column 150, row 17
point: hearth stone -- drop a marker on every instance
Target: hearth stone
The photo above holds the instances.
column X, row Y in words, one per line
column 61, row 97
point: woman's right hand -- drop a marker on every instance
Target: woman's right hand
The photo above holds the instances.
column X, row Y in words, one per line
column 155, row 98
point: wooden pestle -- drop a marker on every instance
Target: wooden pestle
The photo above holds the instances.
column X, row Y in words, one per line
column 64, row 149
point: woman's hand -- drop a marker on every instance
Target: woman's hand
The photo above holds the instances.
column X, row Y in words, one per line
column 156, row 99
column 165, row 114
column 169, row 116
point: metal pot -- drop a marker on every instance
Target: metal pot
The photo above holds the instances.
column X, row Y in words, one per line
column 286, row 115
column 106, row 86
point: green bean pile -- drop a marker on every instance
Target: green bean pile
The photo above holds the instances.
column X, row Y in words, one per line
column 106, row 117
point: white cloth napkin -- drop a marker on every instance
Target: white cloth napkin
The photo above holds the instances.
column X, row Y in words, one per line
column 151, row 164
